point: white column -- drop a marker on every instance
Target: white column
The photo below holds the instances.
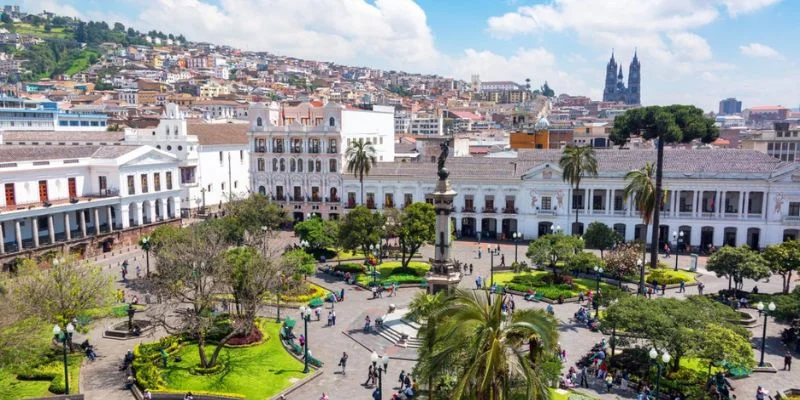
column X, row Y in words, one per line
column 694, row 203
column 82, row 223
column 35, row 230
column 110, row 219
column 96, row 221
column 152, row 211
column 630, row 205
column 18, row 232
column 745, row 204
column 587, row 204
column 124, row 215
column 139, row 215
column 51, row 230
column 2, row 240
column 67, row 227
column 764, row 205
column 673, row 208
column 176, row 201
column 609, row 200
column 164, row 213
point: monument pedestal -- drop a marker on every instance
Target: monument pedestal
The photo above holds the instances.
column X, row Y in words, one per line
column 443, row 276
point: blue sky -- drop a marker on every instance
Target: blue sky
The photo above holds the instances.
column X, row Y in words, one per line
column 692, row 51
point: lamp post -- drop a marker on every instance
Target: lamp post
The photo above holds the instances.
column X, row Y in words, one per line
column 264, row 231
column 146, row 245
column 640, row 265
column 598, row 270
column 665, row 357
column 678, row 238
column 384, row 367
column 372, row 248
column 516, row 236
column 306, row 313
column 64, row 337
column 613, row 340
column 761, row 310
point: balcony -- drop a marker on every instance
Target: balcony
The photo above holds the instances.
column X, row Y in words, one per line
column 510, row 210
column 371, row 205
column 261, row 149
column 547, row 212
column 489, row 210
column 297, row 149
column 621, row 212
column 791, row 220
column 314, row 150
column 332, row 150
column 316, row 199
column 61, row 200
column 388, row 204
column 470, row 209
column 598, row 211
column 350, row 205
column 731, row 215
column 278, row 149
column 754, row 216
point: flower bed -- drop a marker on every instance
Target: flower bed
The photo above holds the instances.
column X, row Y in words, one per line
column 542, row 283
column 392, row 271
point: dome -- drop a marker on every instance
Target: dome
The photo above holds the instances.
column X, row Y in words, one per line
column 542, row 124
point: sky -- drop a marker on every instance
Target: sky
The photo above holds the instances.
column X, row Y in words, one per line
column 691, row 51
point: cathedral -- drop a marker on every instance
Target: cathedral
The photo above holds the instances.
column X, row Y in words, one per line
column 615, row 89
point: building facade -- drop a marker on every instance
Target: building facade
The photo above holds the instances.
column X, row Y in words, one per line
column 730, row 106
column 297, row 153
column 615, row 89
column 24, row 115
column 715, row 197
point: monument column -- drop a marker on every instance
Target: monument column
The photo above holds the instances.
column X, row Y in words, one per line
column 443, row 274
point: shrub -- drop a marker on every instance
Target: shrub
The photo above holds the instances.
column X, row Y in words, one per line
column 668, row 276
column 255, row 336
column 787, row 306
column 584, row 262
column 352, row 268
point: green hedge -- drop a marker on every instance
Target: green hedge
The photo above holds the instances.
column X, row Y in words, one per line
column 787, row 306
column 668, row 276
column 352, row 268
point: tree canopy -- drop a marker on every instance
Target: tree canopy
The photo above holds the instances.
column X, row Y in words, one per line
column 417, row 227
column 737, row 263
column 360, row 228
column 783, row 259
column 674, row 123
column 319, row 233
column 600, row 236
column 550, row 250
column 622, row 260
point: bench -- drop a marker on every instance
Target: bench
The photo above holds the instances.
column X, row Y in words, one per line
column 423, row 284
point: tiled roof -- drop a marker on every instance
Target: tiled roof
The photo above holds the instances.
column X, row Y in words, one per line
column 36, row 153
column 75, row 136
column 215, row 134
column 610, row 162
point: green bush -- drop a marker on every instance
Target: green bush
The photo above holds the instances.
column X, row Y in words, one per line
column 787, row 306
column 352, row 268
column 584, row 262
column 669, row 276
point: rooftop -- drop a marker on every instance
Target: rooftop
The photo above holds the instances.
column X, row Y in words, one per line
column 63, row 136
column 216, row 134
column 37, row 153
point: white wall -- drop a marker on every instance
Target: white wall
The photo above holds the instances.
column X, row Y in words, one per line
column 370, row 125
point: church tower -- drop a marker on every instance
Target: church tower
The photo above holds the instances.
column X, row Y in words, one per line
column 634, row 81
column 611, row 79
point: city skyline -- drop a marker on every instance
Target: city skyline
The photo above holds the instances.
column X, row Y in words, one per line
column 718, row 49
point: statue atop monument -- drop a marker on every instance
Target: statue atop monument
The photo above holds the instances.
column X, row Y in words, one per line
column 445, row 150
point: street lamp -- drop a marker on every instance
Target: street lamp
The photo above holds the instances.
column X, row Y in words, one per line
column 678, row 238
column 146, row 243
column 613, row 341
column 305, row 312
column 64, row 337
column 372, row 251
column 516, row 236
column 492, row 253
column 598, row 270
column 381, row 370
column 761, row 310
column 665, row 357
column 640, row 264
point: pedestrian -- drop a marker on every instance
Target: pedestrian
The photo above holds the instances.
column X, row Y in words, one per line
column 498, row 247
column 655, row 286
column 787, row 361
column 478, row 282
column 700, row 287
column 609, row 383
column 324, row 396
column 663, row 289
column 407, row 381
column 147, row 395
column 366, row 324
column 342, row 363
column 580, row 297
column 330, row 318
column 761, row 394
column 503, row 260
column 317, row 313
column 369, row 377
column 584, row 383
column 138, row 270
column 124, row 273
column 333, row 317
column 402, row 377
column 470, row 268
column 479, row 254
column 682, row 288
column 394, row 288
column 649, row 293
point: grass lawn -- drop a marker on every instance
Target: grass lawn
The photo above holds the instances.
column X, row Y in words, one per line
column 13, row 388
column 533, row 280
column 391, row 271
column 303, row 296
column 28, row 29
column 81, row 63
column 255, row 372
column 560, row 394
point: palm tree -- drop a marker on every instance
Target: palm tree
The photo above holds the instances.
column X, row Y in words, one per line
column 576, row 162
column 422, row 309
column 487, row 347
column 361, row 156
column 642, row 187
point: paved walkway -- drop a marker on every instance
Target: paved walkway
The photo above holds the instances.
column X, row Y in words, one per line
column 102, row 380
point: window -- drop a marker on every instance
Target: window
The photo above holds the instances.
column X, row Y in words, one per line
column 370, row 200
column 261, row 165
column 332, row 165
column 102, row 182
column 43, row 191
column 283, row 165
column 262, row 190
column 315, row 193
column 157, row 181
column 235, row 184
column 168, row 177
column 222, row 186
column 131, row 186
column 332, row 121
column 145, row 187
column 310, row 165
column 331, row 145
column 794, row 209
column 292, row 165
column 546, row 202
column 259, row 121
column 11, row 198
column 241, row 155
column 209, row 188
column 408, row 199
column 72, row 187
column 279, row 192
column 274, row 165
column 220, row 158
column 298, row 193
column 319, row 165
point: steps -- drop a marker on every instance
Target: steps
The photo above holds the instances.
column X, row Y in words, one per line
column 395, row 332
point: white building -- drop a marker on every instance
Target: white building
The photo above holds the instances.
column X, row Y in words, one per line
column 427, row 125
column 719, row 197
column 297, row 152
column 25, row 115
column 76, row 198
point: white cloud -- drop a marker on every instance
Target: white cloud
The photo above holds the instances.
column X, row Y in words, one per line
column 56, row 6
column 689, row 46
column 376, row 33
column 736, row 7
column 759, row 50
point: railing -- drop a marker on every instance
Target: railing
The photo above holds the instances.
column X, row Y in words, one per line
column 510, row 210
column 708, row 214
column 731, row 215
column 685, row 214
column 278, row 149
column 489, row 210
column 261, row 149
column 468, row 209
column 332, row 150
column 754, row 216
column 350, row 205
column 598, row 212
column 389, row 205
column 620, row 212
column 316, row 199
column 547, row 212
column 314, row 150
column 296, row 149
column 60, row 200
column 791, row 219
column 279, row 198
column 371, row 205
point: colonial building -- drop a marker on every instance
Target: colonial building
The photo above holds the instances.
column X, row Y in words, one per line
column 68, row 196
column 730, row 197
column 298, row 152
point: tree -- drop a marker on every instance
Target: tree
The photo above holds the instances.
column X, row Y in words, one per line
column 119, row 27
column 621, row 260
column 550, row 250
column 319, row 234
column 361, row 228
column 417, row 227
column 668, row 323
column 717, row 343
column 641, row 186
column 423, row 309
column 547, row 91
column 6, row 18
column 250, row 275
column 783, row 259
column 257, row 212
column 361, row 157
column 62, row 290
column 300, row 261
column 600, row 236
column 483, row 348
column 670, row 124
column 80, row 32
column 577, row 162
column 737, row 263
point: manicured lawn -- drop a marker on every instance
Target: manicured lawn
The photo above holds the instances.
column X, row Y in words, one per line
column 391, row 271
column 303, row 295
column 534, row 281
column 567, row 395
column 255, row 372
column 13, row 388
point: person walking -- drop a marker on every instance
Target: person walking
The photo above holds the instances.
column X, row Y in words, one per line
column 470, row 268
column 682, row 287
column 394, row 289
column 333, row 317
column 502, row 260
column 584, row 382
column 663, row 289
column 479, row 252
column 787, row 361
column 138, row 271
column 343, row 362
column 330, row 318
column 402, row 378
column 368, row 382
column 700, row 287
column 478, row 282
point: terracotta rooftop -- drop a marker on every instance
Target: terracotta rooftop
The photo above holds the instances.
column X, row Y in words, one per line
column 43, row 153
column 76, row 136
column 216, row 134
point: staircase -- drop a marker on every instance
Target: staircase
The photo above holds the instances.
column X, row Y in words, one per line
column 400, row 331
